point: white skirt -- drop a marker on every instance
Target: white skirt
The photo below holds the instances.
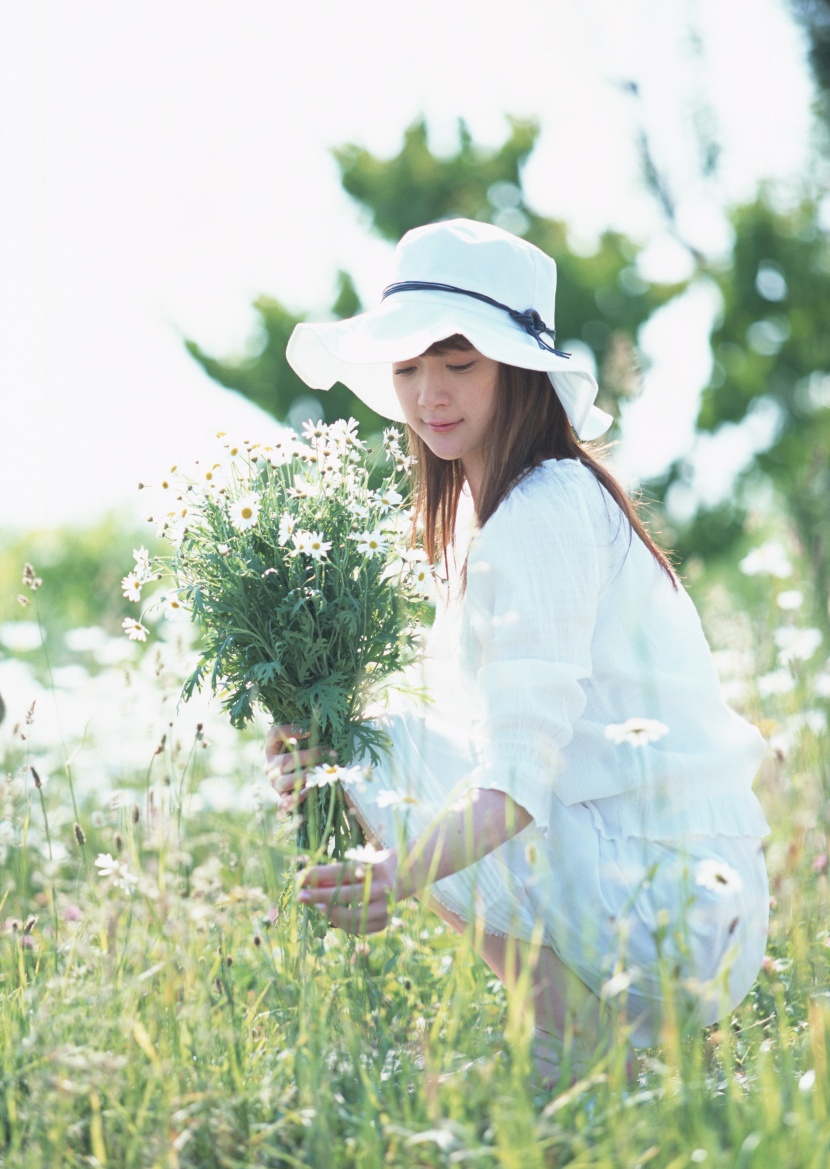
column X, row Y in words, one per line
column 638, row 920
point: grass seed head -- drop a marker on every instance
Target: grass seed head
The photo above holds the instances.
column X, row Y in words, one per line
column 80, row 835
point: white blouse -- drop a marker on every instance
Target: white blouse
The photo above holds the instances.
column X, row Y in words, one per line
column 569, row 625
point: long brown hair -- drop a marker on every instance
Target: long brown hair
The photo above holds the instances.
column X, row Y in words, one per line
column 529, row 426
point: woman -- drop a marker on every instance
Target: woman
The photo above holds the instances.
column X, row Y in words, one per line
column 577, row 788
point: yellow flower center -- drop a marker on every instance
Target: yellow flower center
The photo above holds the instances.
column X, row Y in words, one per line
column 247, row 512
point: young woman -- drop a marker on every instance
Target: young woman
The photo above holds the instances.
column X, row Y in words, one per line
column 577, row 788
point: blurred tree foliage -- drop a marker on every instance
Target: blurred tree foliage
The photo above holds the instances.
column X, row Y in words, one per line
column 771, row 354
column 814, row 17
column 81, row 570
column 605, row 299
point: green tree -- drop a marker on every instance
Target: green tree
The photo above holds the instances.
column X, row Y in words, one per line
column 771, row 353
column 603, row 300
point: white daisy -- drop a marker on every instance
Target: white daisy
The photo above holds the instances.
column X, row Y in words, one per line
column 287, row 525
column 717, row 876
column 328, row 773
column 116, row 871
column 776, row 682
column 389, row 799
column 142, row 562
column 636, row 731
column 768, row 560
column 245, row 512
column 173, row 607
column 359, row 510
column 134, row 629
column 365, row 854
column 370, row 544
column 796, row 645
column 790, row 599
column 314, row 432
column 131, row 586
column 317, row 547
column 387, row 499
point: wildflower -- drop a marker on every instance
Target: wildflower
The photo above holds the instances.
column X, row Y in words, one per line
column 365, row 854
column 286, row 530
column 142, row 561
column 302, row 489
column 134, row 629
column 821, row 685
column 717, row 876
column 279, row 454
column 776, row 682
column 313, row 432
column 173, row 607
column 30, row 579
column 223, row 549
column 245, row 512
column 371, row 544
column 111, row 869
column 796, row 645
column 312, row 544
column 390, row 799
column 768, row 560
column 387, row 499
column 414, row 555
column 790, row 599
column 329, row 773
column 359, row 510
column 131, row 586
column 636, row 731
column 24, row 601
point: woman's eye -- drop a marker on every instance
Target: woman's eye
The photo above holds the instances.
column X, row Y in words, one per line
column 461, row 368
column 404, row 369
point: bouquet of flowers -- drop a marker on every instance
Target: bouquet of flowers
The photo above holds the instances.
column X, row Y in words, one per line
column 306, row 589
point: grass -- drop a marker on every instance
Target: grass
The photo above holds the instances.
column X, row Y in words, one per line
column 174, row 1013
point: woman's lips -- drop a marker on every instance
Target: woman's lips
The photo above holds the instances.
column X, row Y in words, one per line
column 442, row 427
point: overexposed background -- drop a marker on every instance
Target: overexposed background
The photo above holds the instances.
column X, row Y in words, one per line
column 162, row 164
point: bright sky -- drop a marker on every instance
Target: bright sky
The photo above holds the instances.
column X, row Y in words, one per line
column 162, row 163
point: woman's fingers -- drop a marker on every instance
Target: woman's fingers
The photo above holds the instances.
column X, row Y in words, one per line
column 282, row 736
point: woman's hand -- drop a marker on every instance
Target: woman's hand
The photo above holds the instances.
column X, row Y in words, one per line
column 354, row 895
column 286, row 763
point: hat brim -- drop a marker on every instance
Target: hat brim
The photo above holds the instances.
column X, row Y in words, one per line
column 360, row 351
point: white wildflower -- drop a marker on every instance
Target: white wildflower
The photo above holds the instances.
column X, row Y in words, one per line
column 768, row 560
column 365, row 854
column 245, row 512
column 385, row 500
column 286, row 530
column 315, row 546
column 370, row 544
column 636, row 731
column 390, row 799
column 303, row 489
column 777, row 682
column 142, row 562
column 717, row 876
column 821, row 685
column 116, row 871
column 796, row 645
column 359, row 510
column 131, row 586
column 134, row 629
column 173, row 607
column 314, row 432
column 790, row 599
column 328, row 773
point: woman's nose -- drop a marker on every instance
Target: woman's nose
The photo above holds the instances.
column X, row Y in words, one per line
column 431, row 391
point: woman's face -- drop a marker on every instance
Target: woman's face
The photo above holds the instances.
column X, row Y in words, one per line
column 449, row 401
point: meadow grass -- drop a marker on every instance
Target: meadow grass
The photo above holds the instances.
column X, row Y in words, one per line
column 168, row 1009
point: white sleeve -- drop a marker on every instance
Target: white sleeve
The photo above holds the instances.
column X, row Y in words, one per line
column 532, row 587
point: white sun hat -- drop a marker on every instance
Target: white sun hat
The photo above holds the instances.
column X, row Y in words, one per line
column 457, row 276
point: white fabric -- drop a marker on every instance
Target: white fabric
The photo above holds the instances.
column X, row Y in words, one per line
column 477, row 256
column 569, row 625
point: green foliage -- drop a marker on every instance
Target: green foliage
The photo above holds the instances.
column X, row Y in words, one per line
column 82, row 568
column 603, row 303
column 265, row 378
column 771, row 353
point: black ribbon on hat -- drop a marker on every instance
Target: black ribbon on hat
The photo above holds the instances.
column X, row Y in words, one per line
column 529, row 320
